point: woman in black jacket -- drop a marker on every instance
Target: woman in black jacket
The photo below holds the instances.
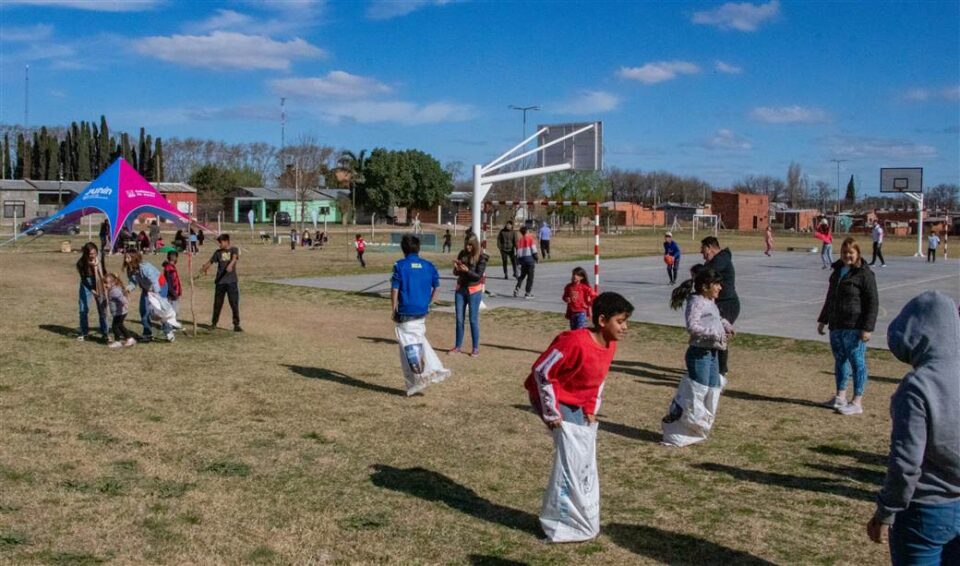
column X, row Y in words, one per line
column 850, row 311
column 469, row 267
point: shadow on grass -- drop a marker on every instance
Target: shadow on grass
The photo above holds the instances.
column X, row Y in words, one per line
column 623, row 430
column 433, row 486
column 378, row 340
column 484, row 560
column 867, row 458
column 653, row 367
column 878, row 378
column 673, row 378
column 822, row 485
column 746, row 396
column 57, row 329
column 864, row 475
column 337, row 377
column 512, row 348
column 677, row 548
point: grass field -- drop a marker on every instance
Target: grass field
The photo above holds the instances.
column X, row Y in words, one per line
column 293, row 443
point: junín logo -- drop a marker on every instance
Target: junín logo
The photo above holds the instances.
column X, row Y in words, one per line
column 98, row 192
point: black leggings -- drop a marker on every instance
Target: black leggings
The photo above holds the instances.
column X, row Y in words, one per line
column 120, row 331
column 877, row 253
column 512, row 257
column 526, row 272
column 730, row 310
column 232, row 292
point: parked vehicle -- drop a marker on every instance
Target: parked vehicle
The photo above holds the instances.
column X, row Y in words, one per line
column 30, row 227
column 283, row 218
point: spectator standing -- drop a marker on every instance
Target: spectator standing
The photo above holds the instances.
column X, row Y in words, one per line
column 545, row 234
column 225, row 283
column 768, row 241
column 878, row 234
column 180, row 241
column 154, row 231
column 527, row 258
column 91, row 287
column 850, row 312
column 200, row 237
column 920, row 497
column 933, row 242
column 507, row 244
column 447, row 245
column 293, row 239
column 104, row 234
column 728, row 302
column 469, row 267
column 194, row 241
column 671, row 256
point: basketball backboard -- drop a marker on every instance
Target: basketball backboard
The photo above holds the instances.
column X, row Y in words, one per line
column 584, row 151
column 901, row 180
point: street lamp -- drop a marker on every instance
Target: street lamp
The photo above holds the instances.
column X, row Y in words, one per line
column 524, row 110
column 836, row 218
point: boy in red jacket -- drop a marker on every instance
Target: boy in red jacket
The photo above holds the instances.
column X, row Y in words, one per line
column 361, row 247
column 174, row 289
column 579, row 295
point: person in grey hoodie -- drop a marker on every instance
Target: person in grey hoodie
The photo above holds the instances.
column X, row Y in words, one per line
column 921, row 494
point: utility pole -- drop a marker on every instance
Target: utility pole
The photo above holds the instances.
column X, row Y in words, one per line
column 836, row 218
column 26, row 98
column 60, row 186
column 524, row 110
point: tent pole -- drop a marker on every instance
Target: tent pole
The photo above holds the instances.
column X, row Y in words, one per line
column 193, row 313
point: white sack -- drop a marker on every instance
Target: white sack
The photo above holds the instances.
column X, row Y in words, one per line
column 161, row 309
column 571, row 506
column 420, row 363
column 691, row 413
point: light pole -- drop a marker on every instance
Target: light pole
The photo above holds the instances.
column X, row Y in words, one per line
column 836, row 218
column 524, row 110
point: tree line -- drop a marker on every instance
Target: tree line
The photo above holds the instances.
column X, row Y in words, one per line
column 79, row 152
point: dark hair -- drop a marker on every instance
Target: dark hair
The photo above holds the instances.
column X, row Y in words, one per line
column 358, row 236
column 582, row 273
column 172, row 254
column 523, row 230
column 221, row 238
column 84, row 262
column 710, row 242
column 510, row 222
column 609, row 305
column 694, row 269
column 704, row 278
column 410, row 244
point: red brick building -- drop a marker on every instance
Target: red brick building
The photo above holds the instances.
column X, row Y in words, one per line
column 630, row 214
column 741, row 211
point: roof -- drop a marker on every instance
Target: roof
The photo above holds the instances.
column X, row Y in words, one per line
column 15, row 185
column 281, row 194
column 334, row 194
column 55, row 186
column 175, row 188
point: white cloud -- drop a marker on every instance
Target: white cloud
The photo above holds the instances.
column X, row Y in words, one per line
column 951, row 93
column 727, row 68
column 588, row 102
column 262, row 113
column 229, row 50
column 36, row 32
column 336, row 84
column 788, row 115
column 854, row 147
column 725, row 139
column 658, row 71
column 400, row 112
column 286, row 18
column 742, row 16
column 387, row 9
column 91, row 5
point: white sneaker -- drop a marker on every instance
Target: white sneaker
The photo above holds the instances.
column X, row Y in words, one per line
column 170, row 336
column 835, row 402
column 175, row 323
column 851, row 409
column 82, row 338
column 115, row 345
column 130, row 342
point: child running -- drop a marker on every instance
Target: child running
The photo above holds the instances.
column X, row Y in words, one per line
column 565, row 388
column 117, row 297
column 694, row 407
column 579, row 295
column 361, row 247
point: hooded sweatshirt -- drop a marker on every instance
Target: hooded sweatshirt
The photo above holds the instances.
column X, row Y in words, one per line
column 924, row 464
column 722, row 263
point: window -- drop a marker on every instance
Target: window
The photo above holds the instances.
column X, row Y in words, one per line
column 54, row 199
column 14, row 208
column 324, row 210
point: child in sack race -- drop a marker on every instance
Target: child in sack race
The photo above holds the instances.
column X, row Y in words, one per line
column 565, row 388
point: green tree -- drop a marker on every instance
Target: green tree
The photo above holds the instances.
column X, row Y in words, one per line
column 350, row 168
column 408, row 178
column 83, row 154
column 6, row 171
column 215, row 183
column 851, row 196
column 158, row 158
column 104, row 145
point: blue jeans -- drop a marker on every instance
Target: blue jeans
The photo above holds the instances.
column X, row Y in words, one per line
column 703, row 365
column 87, row 285
column 572, row 415
column 849, row 351
column 826, row 255
column 145, row 315
column 926, row 535
column 578, row 320
column 463, row 297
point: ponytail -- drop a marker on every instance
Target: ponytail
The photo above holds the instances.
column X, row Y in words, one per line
column 681, row 294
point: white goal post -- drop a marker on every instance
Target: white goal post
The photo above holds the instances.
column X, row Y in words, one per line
column 711, row 223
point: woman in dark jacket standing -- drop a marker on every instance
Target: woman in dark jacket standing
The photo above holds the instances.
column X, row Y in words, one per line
column 91, row 288
column 469, row 267
column 850, row 312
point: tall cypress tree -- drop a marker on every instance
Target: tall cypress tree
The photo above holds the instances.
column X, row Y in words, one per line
column 27, row 159
column 105, row 145
column 158, row 157
column 851, row 196
column 7, row 170
column 94, row 151
column 35, row 157
column 20, row 167
column 142, row 152
column 83, row 154
column 146, row 157
column 125, row 148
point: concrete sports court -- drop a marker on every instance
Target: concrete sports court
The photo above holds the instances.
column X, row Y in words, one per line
column 780, row 295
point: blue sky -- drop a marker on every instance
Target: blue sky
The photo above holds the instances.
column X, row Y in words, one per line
column 717, row 90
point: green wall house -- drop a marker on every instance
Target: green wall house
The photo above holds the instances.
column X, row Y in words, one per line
column 266, row 201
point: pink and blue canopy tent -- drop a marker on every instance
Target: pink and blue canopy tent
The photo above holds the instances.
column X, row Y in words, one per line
column 122, row 195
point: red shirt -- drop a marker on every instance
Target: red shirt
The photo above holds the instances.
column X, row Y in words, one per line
column 361, row 245
column 571, row 371
column 579, row 297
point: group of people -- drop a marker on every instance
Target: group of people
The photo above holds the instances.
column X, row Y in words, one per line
column 160, row 292
column 150, row 240
column 316, row 241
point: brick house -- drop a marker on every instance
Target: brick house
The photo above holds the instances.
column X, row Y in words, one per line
column 741, row 211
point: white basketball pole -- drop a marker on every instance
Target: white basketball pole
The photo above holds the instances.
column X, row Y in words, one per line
column 918, row 198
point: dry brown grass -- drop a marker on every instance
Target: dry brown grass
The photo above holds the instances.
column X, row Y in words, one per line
column 292, row 443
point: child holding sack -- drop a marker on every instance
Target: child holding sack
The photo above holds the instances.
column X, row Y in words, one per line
column 117, row 297
column 694, row 407
column 565, row 388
